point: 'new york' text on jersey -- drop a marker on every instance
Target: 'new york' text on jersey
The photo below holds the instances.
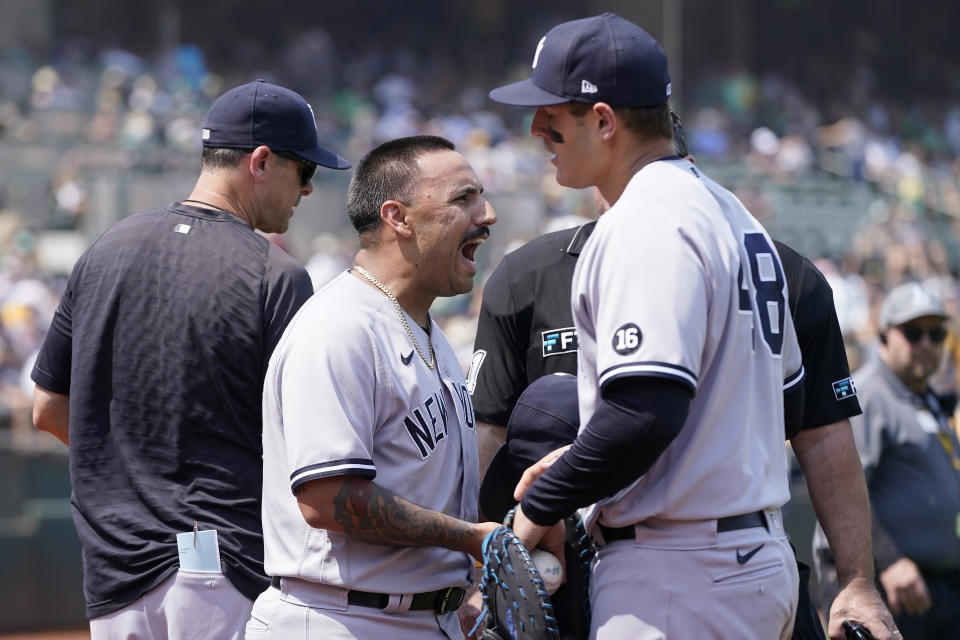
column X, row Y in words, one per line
column 350, row 399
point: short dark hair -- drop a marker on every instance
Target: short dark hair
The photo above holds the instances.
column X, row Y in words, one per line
column 646, row 122
column 679, row 135
column 386, row 173
column 221, row 157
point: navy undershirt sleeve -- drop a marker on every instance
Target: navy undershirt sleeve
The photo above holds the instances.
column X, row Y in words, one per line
column 635, row 421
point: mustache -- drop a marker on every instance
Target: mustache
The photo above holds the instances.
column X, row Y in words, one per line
column 555, row 136
column 479, row 232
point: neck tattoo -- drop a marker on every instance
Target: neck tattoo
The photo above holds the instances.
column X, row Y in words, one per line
column 403, row 318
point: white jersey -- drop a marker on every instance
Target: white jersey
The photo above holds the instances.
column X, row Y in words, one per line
column 346, row 393
column 679, row 281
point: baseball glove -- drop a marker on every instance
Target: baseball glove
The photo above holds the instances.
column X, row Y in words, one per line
column 513, row 592
column 571, row 602
column 575, row 593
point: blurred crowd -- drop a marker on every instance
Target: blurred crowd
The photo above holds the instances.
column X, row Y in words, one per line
column 92, row 111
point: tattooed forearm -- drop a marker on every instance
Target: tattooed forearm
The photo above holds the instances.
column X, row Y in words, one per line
column 373, row 514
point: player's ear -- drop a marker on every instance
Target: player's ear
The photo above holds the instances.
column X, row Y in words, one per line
column 606, row 119
column 394, row 215
column 258, row 162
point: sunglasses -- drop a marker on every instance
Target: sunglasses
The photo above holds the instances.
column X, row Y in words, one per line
column 307, row 169
column 915, row 334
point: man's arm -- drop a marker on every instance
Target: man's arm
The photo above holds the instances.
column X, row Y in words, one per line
column 636, row 420
column 360, row 509
column 831, row 467
column 490, row 437
column 51, row 413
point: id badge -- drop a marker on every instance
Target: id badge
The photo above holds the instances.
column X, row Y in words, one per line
column 199, row 551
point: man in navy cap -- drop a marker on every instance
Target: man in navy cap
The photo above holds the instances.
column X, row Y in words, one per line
column 525, row 330
column 152, row 374
column 689, row 365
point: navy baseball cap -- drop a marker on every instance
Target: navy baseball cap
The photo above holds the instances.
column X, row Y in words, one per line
column 600, row 59
column 260, row 113
column 546, row 417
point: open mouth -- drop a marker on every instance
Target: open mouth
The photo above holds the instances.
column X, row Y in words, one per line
column 469, row 249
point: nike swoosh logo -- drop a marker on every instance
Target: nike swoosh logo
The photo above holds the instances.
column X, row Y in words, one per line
column 743, row 558
column 405, row 359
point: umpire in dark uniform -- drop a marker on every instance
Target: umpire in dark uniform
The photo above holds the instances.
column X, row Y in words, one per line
column 525, row 331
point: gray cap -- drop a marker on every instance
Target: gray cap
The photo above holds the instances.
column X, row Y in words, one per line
column 908, row 302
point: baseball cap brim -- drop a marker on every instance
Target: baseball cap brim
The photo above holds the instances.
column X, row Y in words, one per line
column 525, row 94
column 323, row 157
column 914, row 314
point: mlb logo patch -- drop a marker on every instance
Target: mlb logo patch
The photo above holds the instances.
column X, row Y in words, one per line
column 843, row 389
column 557, row 341
column 182, row 228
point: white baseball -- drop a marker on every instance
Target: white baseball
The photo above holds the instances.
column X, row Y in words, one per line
column 549, row 568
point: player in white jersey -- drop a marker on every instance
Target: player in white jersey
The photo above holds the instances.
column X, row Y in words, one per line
column 712, row 317
column 370, row 452
column 688, row 357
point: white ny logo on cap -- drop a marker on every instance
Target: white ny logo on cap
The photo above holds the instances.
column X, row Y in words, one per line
column 536, row 56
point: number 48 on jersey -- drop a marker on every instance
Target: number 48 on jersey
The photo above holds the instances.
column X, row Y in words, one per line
column 766, row 301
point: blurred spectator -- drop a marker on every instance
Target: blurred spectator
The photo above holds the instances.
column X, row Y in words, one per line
column 331, row 256
column 911, row 459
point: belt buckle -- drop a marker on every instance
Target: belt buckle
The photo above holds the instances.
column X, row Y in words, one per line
column 450, row 600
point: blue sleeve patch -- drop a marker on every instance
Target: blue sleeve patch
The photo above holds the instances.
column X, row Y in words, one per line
column 844, row 389
column 558, row 341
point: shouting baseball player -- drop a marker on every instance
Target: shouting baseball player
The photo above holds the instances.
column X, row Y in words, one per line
column 370, row 453
column 688, row 360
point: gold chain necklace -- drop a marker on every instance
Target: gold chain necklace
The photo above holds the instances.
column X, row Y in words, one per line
column 403, row 318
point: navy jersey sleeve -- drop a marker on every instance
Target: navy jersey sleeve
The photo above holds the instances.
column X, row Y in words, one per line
column 498, row 369
column 52, row 367
column 829, row 392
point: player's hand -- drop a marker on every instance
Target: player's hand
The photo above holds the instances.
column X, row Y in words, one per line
column 469, row 611
column 905, row 587
column 859, row 601
column 552, row 538
column 475, row 543
column 533, row 472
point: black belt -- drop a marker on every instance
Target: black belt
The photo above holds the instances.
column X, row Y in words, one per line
column 442, row 600
column 730, row 523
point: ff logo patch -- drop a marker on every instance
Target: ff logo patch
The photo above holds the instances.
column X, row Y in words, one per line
column 557, row 341
column 627, row 339
column 843, row 389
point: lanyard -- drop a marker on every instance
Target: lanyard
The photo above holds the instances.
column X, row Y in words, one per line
column 946, row 435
